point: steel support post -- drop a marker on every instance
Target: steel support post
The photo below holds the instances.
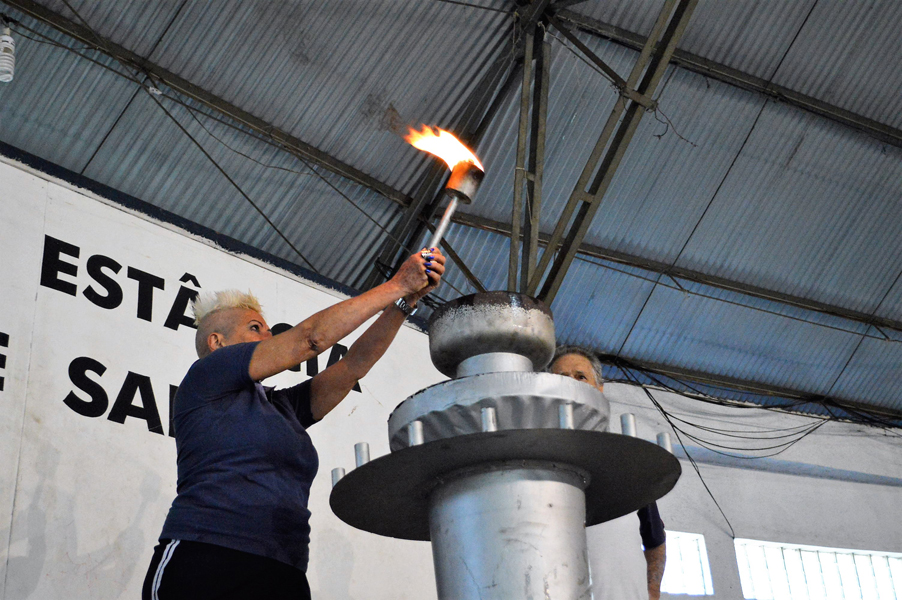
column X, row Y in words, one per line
column 535, row 175
column 473, row 121
column 529, row 168
column 520, row 167
column 655, row 56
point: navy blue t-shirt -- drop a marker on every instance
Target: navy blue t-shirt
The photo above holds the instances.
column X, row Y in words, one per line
column 651, row 527
column 245, row 461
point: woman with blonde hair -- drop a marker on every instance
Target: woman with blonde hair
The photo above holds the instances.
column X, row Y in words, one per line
column 239, row 525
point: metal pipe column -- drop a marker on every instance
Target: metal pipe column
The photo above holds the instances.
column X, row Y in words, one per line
column 511, row 531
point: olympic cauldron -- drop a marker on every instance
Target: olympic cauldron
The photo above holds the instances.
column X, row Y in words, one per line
column 502, row 467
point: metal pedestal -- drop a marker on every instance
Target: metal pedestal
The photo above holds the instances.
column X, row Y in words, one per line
column 502, row 468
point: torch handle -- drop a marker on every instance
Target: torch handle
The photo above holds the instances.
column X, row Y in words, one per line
column 443, row 224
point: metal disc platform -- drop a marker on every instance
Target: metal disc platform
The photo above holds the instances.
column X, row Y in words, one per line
column 390, row 495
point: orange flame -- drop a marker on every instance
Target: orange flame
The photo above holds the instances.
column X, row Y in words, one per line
column 444, row 145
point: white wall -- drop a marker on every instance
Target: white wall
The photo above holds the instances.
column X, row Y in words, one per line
column 82, row 498
column 819, row 511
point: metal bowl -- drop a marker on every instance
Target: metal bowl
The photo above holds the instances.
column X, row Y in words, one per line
column 491, row 322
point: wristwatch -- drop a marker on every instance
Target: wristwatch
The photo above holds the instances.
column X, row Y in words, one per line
column 407, row 309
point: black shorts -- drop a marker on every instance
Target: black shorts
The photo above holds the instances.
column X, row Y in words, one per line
column 181, row 570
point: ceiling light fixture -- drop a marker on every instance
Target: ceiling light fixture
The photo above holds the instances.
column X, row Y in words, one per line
column 7, row 56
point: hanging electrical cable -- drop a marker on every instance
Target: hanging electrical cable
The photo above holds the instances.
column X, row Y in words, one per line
column 801, row 405
column 689, row 458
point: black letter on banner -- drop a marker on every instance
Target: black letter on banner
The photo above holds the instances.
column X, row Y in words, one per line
column 52, row 265
column 113, row 297
column 282, row 328
column 4, row 343
column 338, row 352
column 78, row 375
column 146, row 284
column 173, row 390
column 123, row 406
column 177, row 314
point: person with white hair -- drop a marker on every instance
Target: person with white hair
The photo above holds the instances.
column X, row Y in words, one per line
column 239, row 525
column 618, row 570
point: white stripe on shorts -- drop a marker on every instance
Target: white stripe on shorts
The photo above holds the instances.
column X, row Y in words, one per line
column 158, row 577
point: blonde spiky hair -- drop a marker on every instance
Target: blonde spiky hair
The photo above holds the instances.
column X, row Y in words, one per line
column 211, row 303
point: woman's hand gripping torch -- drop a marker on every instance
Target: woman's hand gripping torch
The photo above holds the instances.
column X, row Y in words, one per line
column 466, row 171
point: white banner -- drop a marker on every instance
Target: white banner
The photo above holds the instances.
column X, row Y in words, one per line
column 94, row 338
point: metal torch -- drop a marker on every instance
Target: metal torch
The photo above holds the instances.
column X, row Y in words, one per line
column 461, row 187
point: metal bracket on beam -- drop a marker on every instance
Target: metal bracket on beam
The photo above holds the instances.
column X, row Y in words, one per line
column 615, row 77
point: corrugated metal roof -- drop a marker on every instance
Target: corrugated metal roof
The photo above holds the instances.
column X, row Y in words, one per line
column 891, row 306
column 184, row 181
column 673, row 169
column 712, row 334
column 807, row 209
column 848, row 54
column 725, row 32
column 721, row 181
column 873, row 375
column 697, row 328
column 666, row 178
column 60, row 106
column 339, row 82
column 638, row 16
column 842, row 53
column 801, row 187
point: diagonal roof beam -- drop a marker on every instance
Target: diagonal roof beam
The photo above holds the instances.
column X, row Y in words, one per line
column 616, row 136
column 720, row 72
column 294, row 145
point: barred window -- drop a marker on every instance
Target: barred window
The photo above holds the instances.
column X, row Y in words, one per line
column 772, row 571
column 687, row 570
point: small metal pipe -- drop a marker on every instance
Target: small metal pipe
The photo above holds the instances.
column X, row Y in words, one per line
column 443, row 224
column 337, row 474
column 565, row 416
column 664, row 441
column 415, row 433
column 493, row 362
column 361, row 453
column 489, row 419
column 628, row 424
